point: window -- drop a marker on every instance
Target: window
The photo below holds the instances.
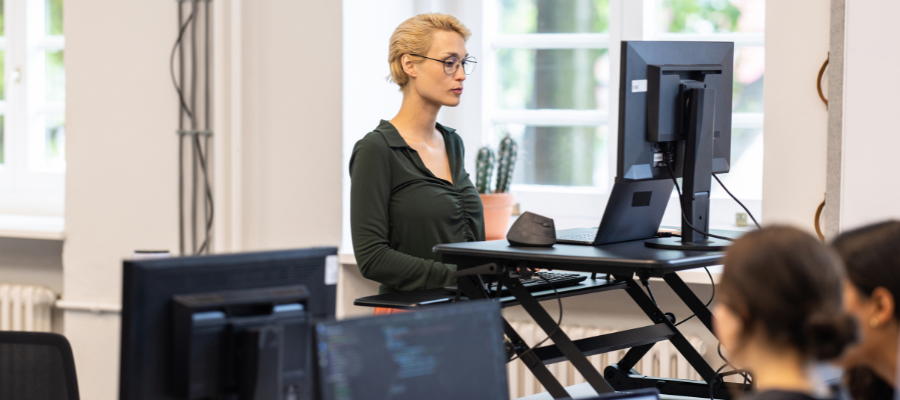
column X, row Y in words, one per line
column 549, row 82
column 32, row 107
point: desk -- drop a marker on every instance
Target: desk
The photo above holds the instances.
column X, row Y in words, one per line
column 621, row 260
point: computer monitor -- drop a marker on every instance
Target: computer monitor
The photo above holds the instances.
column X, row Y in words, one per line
column 445, row 353
column 224, row 326
column 675, row 115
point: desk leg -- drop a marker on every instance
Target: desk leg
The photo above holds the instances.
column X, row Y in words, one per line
column 679, row 341
column 472, row 291
column 563, row 343
column 690, row 299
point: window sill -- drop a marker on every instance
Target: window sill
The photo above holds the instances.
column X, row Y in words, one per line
column 32, row 227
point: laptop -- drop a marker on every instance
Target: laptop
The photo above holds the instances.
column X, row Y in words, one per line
column 634, row 211
column 443, row 353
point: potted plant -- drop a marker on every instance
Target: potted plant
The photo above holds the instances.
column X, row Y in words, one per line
column 498, row 204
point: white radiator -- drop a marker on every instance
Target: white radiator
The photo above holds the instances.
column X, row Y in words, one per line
column 26, row 308
column 663, row 360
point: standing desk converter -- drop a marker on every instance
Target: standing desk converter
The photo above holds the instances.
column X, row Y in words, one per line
column 624, row 261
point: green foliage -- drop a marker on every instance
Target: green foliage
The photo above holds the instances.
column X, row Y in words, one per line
column 484, row 169
column 685, row 13
column 506, row 163
column 54, row 15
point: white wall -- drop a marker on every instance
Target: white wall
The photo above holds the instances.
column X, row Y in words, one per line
column 122, row 169
column 870, row 188
column 796, row 120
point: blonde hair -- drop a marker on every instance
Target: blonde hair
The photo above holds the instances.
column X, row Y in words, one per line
column 414, row 36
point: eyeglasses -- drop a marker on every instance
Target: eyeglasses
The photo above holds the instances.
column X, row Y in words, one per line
column 452, row 63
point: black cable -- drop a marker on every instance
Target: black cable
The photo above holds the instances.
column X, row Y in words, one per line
column 559, row 300
column 713, row 283
column 195, row 142
column 647, row 285
column 684, row 216
column 711, row 384
column 181, row 109
column 745, row 374
column 738, row 201
column 178, row 46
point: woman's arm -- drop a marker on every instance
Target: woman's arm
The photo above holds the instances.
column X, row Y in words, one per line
column 370, row 195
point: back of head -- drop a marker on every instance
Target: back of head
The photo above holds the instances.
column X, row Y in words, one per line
column 787, row 283
column 414, row 36
column 871, row 255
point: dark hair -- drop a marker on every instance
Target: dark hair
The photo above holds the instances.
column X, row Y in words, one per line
column 787, row 282
column 871, row 255
column 864, row 384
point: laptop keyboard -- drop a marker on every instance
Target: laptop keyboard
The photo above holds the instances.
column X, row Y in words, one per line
column 586, row 237
column 538, row 282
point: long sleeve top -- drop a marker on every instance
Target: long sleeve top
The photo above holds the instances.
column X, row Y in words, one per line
column 399, row 210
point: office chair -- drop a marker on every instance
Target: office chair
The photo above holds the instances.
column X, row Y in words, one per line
column 36, row 366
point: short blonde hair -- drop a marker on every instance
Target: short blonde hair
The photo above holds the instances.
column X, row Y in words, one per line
column 414, row 36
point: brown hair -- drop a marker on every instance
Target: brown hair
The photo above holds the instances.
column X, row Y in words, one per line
column 414, row 36
column 788, row 283
column 871, row 255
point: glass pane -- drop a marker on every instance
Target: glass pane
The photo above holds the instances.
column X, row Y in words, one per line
column 53, row 10
column 563, row 156
column 2, row 74
column 745, row 178
column 56, row 140
column 2, row 140
column 56, row 76
column 711, row 16
column 575, row 79
column 749, row 71
column 554, row 16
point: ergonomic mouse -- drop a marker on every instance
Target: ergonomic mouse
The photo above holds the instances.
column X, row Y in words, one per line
column 532, row 230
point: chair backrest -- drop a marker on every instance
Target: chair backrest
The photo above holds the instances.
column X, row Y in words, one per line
column 36, row 366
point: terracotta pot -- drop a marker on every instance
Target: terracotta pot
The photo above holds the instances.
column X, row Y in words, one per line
column 497, row 211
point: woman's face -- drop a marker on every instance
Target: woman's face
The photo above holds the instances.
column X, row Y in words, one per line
column 729, row 329
column 863, row 310
column 428, row 77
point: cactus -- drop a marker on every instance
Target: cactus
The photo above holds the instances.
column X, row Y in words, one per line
column 506, row 163
column 484, row 168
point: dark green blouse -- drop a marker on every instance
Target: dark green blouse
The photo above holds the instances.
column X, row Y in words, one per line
column 399, row 210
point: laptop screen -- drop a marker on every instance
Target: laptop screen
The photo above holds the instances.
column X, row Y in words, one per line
column 449, row 352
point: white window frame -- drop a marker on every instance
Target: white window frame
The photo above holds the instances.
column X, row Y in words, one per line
column 28, row 186
column 629, row 20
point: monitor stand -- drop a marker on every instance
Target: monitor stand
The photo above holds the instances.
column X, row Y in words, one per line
column 697, row 177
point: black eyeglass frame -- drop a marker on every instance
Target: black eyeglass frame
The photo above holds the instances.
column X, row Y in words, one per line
column 462, row 62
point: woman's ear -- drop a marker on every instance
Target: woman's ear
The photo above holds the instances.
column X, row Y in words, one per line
column 408, row 65
column 883, row 307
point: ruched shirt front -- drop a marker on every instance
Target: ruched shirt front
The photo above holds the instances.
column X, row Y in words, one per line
column 399, row 210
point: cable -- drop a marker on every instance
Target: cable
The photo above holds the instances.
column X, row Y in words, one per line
column 195, row 142
column 172, row 63
column 743, row 373
column 647, row 285
column 738, row 201
column 684, row 216
column 713, row 283
column 559, row 300
column 711, row 397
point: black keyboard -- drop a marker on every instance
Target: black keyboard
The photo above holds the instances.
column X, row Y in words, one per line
column 536, row 284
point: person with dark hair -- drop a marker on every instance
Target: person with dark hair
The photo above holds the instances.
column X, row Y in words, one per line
column 872, row 286
column 780, row 310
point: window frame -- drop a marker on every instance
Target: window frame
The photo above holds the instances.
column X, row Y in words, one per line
column 629, row 20
column 27, row 185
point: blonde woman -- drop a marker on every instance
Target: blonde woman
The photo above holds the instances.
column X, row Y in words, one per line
column 409, row 188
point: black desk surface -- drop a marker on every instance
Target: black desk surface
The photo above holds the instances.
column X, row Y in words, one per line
column 431, row 297
column 625, row 257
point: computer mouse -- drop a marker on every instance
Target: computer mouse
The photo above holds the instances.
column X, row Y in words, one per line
column 532, row 230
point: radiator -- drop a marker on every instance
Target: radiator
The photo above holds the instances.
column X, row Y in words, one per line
column 663, row 360
column 26, row 308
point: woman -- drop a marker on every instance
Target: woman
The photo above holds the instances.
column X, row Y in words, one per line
column 780, row 310
column 409, row 188
column 872, row 258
